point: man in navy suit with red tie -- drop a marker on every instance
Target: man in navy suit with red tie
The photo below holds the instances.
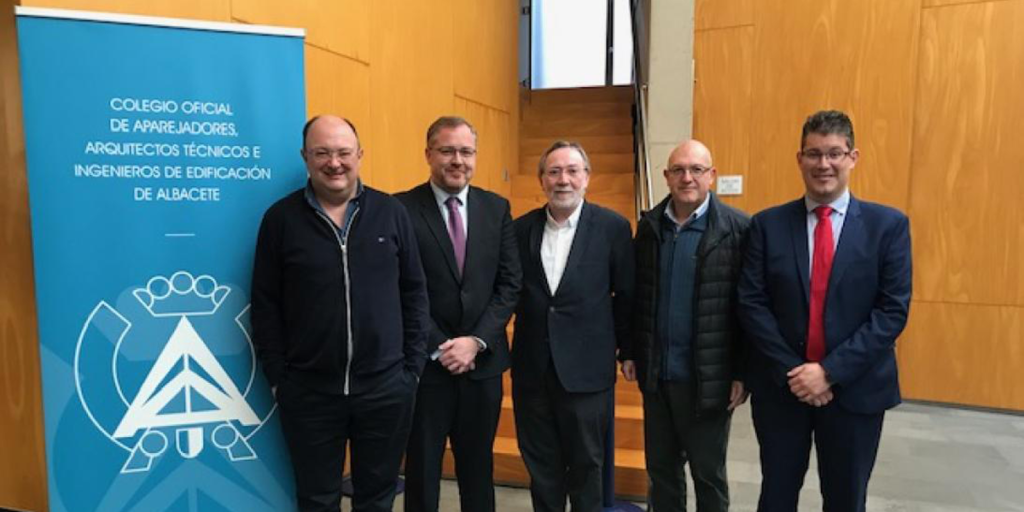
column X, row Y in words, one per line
column 824, row 293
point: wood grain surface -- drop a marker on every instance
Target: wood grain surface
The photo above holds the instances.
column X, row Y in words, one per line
column 933, row 88
column 22, row 449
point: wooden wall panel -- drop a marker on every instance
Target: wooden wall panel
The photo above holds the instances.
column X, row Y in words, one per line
column 492, row 145
column 411, row 83
column 933, row 89
column 22, row 448
column 964, row 353
column 339, row 85
column 968, row 157
column 941, row 3
column 853, row 56
column 209, row 10
column 422, row 56
column 481, row 52
column 710, row 14
column 722, row 102
column 339, row 26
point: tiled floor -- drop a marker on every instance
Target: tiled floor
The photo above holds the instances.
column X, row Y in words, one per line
column 932, row 459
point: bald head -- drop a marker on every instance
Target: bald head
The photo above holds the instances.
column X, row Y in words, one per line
column 691, row 150
column 332, row 154
column 689, row 176
column 327, row 122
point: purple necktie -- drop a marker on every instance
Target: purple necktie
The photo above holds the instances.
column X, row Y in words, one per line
column 456, row 231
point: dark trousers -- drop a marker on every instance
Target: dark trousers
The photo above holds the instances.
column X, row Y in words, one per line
column 375, row 424
column 562, row 439
column 466, row 412
column 846, row 445
column 675, row 435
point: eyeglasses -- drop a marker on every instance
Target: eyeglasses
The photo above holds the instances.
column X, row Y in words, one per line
column 324, row 154
column 571, row 172
column 695, row 170
column 832, row 155
column 451, row 151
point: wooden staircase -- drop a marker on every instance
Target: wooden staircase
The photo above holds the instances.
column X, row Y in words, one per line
column 630, row 469
column 600, row 120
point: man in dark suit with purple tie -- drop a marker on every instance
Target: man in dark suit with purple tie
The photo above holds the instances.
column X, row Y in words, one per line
column 467, row 245
column 823, row 295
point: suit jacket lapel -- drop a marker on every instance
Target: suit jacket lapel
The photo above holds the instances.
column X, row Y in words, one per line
column 432, row 216
column 798, row 230
column 536, row 237
column 579, row 245
column 476, row 232
column 850, row 238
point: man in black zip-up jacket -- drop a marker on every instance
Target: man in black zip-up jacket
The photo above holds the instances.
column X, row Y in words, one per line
column 686, row 344
column 340, row 318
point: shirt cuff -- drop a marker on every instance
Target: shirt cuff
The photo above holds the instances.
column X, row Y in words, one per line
column 481, row 343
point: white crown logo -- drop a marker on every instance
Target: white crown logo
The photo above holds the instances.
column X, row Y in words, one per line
column 187, row 397
column 181, row 295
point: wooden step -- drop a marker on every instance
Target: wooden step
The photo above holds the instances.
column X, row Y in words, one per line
column 630, row 475
column 629, row 424
column 595, row 110
column 621, row 94
column 508, row 464
column 627, row 393
column 628, row 404
column 593, row 144
column 600, row 163
column 509, row 469
column 569, row 128
column 629, row 427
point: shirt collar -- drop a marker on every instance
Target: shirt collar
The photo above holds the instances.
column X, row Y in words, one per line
column 698, row 213
column 572, row 221
column 840, row 205
column 311, row 195
column 441, row 196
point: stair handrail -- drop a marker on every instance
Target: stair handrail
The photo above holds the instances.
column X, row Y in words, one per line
column 641, row 148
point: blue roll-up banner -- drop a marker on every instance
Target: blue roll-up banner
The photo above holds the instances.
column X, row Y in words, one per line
column 153, row 148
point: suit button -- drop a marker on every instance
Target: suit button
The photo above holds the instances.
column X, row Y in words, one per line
column 551, row 309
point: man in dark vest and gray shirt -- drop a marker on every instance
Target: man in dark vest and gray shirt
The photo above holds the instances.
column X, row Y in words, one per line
column 686, row 345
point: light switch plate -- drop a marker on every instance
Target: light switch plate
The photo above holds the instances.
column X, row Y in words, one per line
column 730, row 185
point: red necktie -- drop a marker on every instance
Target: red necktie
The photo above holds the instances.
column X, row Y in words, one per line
column 821, row 267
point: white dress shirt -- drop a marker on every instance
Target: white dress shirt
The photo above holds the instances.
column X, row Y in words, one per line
column 838, row 217
column 555, row 247
column 442, row 196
